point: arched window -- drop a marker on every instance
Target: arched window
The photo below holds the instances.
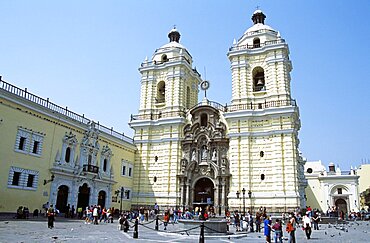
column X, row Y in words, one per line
column 258, row 79
column 89, row 159
column 161, row 92
column 68, row 154
column 203, row 120
column 105, row 163
column 187, row 97
column 164, row 58
column 256, row 43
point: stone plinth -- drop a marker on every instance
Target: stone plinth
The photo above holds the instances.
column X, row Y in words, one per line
column 211, row 226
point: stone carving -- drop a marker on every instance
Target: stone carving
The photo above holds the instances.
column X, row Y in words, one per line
column 214, row 155
column 204, row 153
column 194, row 155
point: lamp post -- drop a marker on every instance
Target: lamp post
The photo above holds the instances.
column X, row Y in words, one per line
column 50, row 180
column 237, row 195
column 250, row 199
column 243, row 191
column 121, row 196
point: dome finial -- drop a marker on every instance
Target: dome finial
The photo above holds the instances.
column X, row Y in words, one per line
column 258, row 16
column 174, row 35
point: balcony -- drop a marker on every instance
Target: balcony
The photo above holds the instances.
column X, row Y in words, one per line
column 91, row 168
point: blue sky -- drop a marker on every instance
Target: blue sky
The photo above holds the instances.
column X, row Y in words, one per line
column 85, row 55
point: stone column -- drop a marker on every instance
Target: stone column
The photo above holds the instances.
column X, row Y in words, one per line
column 223, row 197
column 216, row 199
column 188, row 195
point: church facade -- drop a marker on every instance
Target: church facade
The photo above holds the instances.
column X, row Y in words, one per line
column 229, row 157
column 184, row 153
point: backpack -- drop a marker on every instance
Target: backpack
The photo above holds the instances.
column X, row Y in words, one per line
column 289, row 227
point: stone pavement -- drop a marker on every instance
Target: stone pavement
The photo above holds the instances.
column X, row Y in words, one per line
column 35, row 230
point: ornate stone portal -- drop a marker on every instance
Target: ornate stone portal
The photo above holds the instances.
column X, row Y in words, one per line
column 204, row 175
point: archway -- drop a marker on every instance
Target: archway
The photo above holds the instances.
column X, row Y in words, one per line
column 341, row 205
column 62, row 198
column 83, row 196
column 101, row 198
column 203, row 193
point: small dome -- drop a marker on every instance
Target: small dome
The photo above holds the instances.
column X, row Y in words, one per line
column 258, row 19
column 174, row 35
column 257, row 11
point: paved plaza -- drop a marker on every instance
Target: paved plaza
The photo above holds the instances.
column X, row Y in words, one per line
column 36, row 230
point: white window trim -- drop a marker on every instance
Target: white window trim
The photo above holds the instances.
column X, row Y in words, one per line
column 127, row 165
column 23, row 179
column 31, row 138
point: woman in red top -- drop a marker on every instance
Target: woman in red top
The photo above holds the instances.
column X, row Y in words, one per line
column 166, row 218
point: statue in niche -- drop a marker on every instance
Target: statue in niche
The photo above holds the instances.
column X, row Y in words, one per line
column 204, row 153
column 194, row 156
column 214, row 155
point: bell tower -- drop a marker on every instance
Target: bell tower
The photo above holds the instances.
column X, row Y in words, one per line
column 169, row 87
column 260, row 65
column 263, row 121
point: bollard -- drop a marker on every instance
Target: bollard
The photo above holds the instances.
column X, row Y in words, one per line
column 201, row 237
column 156, row 223
column 136, row 229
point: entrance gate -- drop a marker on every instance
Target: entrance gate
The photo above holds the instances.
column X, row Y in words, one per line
column 83, row 196
column 62, row 198
column 203, row 193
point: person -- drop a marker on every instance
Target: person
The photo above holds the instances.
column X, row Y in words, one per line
column 307, row 226
column 156, row 209
column 72, row 212
column 278, row 231
column 267, row 228
column 45, row 206
column 51, row 215
column 95, row 214
column 67, row 208
column 258, row 222
column 251, row 227
column 166, row 219
column 291, row 227
column 315, row 221
column 237, row 220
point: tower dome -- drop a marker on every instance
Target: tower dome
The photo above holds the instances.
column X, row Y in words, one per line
column 258, row 19
column 174, row 35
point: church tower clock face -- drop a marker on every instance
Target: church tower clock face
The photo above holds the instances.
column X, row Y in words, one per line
column 204, row 85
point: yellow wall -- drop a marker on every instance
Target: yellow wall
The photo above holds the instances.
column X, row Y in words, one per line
column 28, row 115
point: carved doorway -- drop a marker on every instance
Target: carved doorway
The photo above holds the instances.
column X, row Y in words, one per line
column 83, row 196
column 101, row 199
column 203, row 193
column 62, row 198
column 342, row 205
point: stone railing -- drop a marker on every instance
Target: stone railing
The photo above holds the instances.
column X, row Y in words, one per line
column 218, row 106
column 160, row 115
column 23, row 93
column 152, row 63
column 91, row 168
column 254, row 46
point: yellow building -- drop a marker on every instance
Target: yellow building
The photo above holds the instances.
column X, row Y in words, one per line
column 364, row 185
column 51, row 154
